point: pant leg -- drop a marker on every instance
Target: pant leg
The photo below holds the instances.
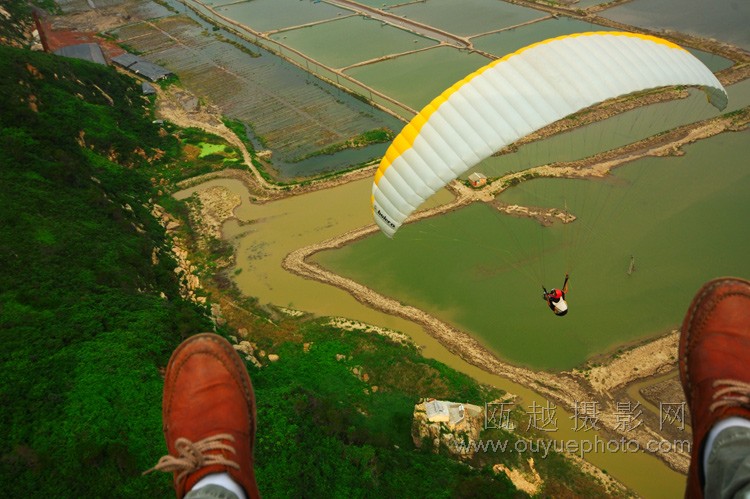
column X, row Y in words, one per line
column 211, row 491
column 728, row 473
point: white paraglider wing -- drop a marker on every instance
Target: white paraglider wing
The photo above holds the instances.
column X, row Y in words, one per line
column 517, row 95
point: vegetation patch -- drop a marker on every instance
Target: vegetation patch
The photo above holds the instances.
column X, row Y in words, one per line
column 90, row 308
column 379, row 136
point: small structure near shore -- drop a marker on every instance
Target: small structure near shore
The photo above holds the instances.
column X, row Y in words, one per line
column 447, row 425
column 141, row 67
column 477, row 180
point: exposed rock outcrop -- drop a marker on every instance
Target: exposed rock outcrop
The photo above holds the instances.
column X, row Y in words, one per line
column 189, row 282
column 248, row 349
column 446, row 426
column 528, row 482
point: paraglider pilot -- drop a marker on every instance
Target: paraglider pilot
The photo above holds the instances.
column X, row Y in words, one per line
column 556, row 298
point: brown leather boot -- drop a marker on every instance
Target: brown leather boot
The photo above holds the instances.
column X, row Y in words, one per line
column 714, row 358
column 208, row 412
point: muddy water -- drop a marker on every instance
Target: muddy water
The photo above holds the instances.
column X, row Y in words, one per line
column 264, row 234
column 634, row 390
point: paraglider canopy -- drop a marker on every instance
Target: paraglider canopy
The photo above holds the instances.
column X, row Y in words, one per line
column 517, row 95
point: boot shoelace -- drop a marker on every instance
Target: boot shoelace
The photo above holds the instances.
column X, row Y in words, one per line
column 732, row 393
column 193, row 456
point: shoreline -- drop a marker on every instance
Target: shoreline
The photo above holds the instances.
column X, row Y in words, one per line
column 566, row 387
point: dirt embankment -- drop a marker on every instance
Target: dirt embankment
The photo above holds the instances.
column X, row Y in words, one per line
column 566, row 388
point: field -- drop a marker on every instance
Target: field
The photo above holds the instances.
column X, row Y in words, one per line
column 287, row 111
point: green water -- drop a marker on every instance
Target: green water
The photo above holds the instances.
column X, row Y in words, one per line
column 683, row 219
column 468, row 17
column 415, row 79
column 508, row 41
column 267, row 15
column 381, row 4
column 374, row 39
column 614, row 132
column 282, row 226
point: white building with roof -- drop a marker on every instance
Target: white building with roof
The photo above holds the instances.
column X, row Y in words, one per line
column 477, row 179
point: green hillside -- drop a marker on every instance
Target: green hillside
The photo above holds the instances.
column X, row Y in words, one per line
column 84, row 328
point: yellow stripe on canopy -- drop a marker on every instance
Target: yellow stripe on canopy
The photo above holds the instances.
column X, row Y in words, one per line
column 513, row 95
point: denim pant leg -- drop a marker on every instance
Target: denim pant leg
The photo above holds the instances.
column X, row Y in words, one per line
column 211, row 491
column 728, row 473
